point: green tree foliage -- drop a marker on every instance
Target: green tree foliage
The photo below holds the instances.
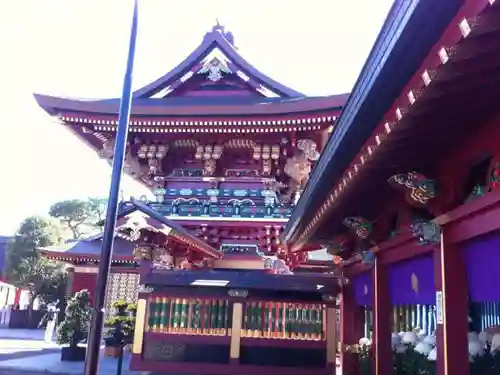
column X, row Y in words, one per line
column 121, row 326
column 78, row 216
column 25, row 267
column 97, row 208
column 75, row 325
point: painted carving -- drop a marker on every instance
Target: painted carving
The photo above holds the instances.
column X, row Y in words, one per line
column 337, row 245
column 494, row 178
column 160, row 257
column 144, row 252
column 419, row 189
column 337, row 260
column 214, row 69
column 108, row 149
column 309, row 147
column 164, row 351
column 132, row 165
column 209, row 167
column 298, row 168
column 154, row 154
column 361, row 226
column 427, row 232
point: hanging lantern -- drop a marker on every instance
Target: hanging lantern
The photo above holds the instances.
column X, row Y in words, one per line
column 151, row 151
column 161, row 151
column 141, row 153
column 199, row 152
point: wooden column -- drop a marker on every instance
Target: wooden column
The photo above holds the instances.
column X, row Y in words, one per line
column 351, row 330
column 237, row 321
column 69, row 284
column 381, row 341
column 140, row 325
column 331, row 339
column 452, row 309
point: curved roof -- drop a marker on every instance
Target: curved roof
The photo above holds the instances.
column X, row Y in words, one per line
column 260, row 95
column 187, row 106
column 217, row 38
column 401, row 47
column 91, row 247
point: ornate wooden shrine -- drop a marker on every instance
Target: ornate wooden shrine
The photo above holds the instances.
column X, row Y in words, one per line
column 226, row 152
column 225, row 149
column 243, row 312
column 405, row 195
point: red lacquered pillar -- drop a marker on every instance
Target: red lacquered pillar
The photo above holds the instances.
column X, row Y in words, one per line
column 452, row 309
column 381, row 342
column 351, row 330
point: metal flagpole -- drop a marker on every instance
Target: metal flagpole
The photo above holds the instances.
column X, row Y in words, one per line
column 94, row 341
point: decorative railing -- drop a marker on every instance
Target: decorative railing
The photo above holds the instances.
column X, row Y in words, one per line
column 189, row 316
column 284, row 320
column 213, row 192
column 206, row 209
column 213, row 317
column 187, row 172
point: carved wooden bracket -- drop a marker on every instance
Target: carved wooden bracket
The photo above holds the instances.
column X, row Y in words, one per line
column 419, row 190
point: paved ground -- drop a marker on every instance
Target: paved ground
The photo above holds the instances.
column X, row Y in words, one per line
column 18, row 343
column 24, row 352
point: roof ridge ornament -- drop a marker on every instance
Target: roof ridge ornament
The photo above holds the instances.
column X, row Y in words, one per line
column 214, row 69
column 222, row 30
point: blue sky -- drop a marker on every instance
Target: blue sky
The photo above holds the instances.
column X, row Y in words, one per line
column 78, row 49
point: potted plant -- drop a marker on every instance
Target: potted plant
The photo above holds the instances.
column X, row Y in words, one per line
column 73, row 329
column 120, row 328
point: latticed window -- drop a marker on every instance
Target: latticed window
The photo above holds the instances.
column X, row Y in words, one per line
column 121, row 286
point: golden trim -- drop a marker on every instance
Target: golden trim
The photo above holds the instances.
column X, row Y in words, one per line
column 240, row 264
column 236, row 219
column 331, row 335
column 140, row 321
column 234, row 350
column 414, row 282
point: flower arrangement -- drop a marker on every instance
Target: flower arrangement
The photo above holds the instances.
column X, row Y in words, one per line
column 415, row 353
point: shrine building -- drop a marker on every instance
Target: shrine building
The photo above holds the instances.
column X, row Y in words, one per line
column 225, row 150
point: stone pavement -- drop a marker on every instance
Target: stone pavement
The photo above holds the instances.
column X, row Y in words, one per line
column 24, row 352
column 51, row 364
column 16, row 344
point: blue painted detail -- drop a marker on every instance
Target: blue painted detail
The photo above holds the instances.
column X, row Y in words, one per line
column 222, row 210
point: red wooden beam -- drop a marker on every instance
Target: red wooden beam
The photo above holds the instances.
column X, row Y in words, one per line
column 351, row 330
column 452, row 309
column 473, row 219
column 381, row 344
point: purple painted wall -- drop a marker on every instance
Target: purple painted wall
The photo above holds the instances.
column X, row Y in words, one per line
column 482, row 261
column 363, row 288
column 412, row 281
